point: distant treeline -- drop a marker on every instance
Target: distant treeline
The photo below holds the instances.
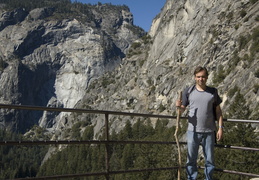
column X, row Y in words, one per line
column 25, row 161
column 20, row 161
column 63, row 8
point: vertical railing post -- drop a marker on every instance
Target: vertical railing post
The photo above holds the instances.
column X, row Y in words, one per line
column 107, row 155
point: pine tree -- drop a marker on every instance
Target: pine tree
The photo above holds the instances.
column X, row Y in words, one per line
column 238, row 134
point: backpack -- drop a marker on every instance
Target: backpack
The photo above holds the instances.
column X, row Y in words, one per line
column 190, row 89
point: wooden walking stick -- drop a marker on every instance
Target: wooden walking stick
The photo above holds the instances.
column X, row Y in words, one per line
column 176, row 136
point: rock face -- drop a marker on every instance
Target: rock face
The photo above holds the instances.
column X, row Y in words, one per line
column 187, row 33
column 221, row 35
column 48, row 62
column 69, row 64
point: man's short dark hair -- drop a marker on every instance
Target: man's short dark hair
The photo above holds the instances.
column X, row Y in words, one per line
column 199, row 69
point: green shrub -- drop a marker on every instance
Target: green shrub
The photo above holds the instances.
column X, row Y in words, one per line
column 2, row 64
column 242, row 13
column 257, row 73
column 238, row 108
column 141, row 63
column 230, row 15
column 153, row 88
column 256, row 88
column 107, row 81
column 255, row 45
column 147, row 39
column 136, row 45
column 161, row 108
column 253, row 1
column 237, row 26
column 242, row 41
column 232, row 91
column 220, row 76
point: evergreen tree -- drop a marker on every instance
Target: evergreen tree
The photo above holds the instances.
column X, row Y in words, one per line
column 19, row 161
column 238, row 134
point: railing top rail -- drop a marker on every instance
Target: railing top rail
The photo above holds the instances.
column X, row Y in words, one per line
column 41, row 108
column 242, row 120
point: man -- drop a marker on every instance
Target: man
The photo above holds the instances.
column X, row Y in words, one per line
column 202, row 101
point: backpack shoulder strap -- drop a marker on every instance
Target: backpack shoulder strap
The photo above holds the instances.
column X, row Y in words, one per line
column 190, row 89
column 214, row 92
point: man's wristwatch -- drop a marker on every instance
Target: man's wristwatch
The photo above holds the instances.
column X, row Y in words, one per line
column 221, row 127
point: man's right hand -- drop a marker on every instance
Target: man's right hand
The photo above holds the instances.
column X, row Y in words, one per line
column 178, row 103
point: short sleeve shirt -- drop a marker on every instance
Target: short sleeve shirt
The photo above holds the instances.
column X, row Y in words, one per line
column 201, row 116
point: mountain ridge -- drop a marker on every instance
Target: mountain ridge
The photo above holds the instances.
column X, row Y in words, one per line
column 48, row 60
column 184, row 35
column 223, row 36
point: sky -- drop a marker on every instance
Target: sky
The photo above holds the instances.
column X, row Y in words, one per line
column 144, row 11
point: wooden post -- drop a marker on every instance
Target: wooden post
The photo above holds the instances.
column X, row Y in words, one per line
column 176, row 136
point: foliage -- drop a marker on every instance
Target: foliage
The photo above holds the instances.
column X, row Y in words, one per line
column 243, row 13
column 161, row 107
column 141, row 156
column 238, row 108
column 19, row 161
column 232, row 91
column 90, row 158
column 230, row 15
column 255, row 43
column 257, row 73
column 136, row 45
column 237, row 160
column 137, row 48
column 76, row 159
column 253, row 1
column 29, row 5
column 134, row 29
column 3, row 64
column 243, row 41
column 256, row 88
column 64, row 9
column 254, row 38
column 238, row 134
column 107, row 81
column 220, row 76
column 147, row 39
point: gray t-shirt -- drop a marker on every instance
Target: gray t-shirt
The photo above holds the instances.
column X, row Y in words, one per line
column 201, row 116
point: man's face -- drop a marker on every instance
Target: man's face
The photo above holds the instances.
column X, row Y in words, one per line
column 201, row 78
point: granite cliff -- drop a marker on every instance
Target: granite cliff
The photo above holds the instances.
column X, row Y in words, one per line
column 221, row 35
column 50, row 61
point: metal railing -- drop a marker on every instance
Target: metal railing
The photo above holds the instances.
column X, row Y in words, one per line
column 107, row 141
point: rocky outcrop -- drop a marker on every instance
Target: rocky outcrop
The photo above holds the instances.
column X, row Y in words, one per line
column 184, row 35
column 48, row 62
column 215, row 34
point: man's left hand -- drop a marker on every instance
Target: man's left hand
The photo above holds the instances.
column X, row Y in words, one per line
column 220, row 134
